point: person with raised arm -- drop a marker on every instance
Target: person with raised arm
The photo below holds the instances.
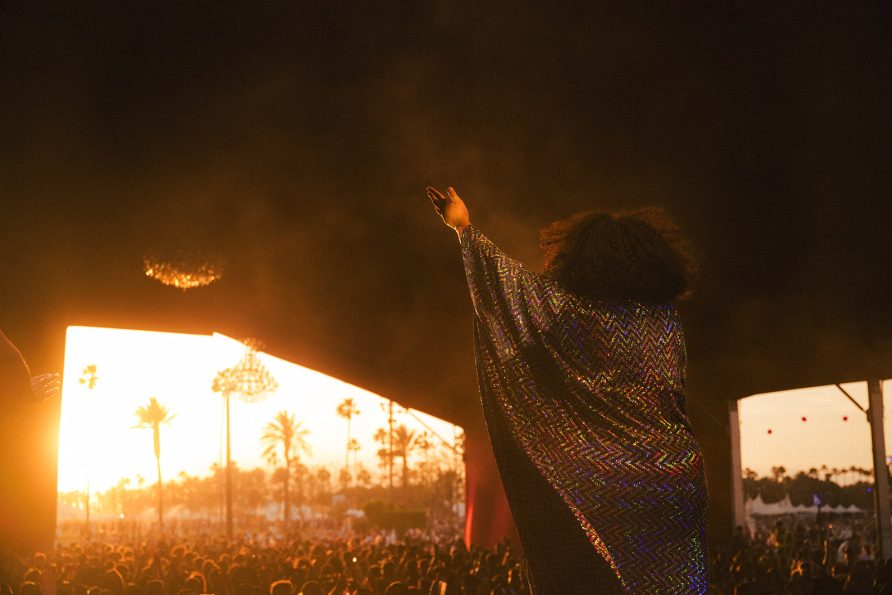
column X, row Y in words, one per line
column 582, row 377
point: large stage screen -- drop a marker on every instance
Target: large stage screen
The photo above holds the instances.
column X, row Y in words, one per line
column 107, row 454
column 808, row 448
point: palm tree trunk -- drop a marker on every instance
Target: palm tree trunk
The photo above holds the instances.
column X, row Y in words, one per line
column 228, row 473
column 287, row 494
column 88, row 508
column 347, row 454
column 160, row 484
column 160, row 497
column 406, row 475
column 390, row 452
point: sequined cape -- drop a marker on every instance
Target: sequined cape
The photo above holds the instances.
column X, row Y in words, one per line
column 592, row 395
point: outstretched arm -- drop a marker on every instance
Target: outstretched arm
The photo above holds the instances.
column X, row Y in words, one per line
column 481, row 256
column 507, row 297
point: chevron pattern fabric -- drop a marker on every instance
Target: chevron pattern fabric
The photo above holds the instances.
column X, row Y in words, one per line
column 593, row 395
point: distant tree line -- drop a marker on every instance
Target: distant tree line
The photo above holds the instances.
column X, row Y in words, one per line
column 829, row 486
column 430, row 476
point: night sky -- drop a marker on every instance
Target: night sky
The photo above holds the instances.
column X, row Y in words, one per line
column 295, row 139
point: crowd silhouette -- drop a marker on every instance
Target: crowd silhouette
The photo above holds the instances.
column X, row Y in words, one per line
column 773, row 556
column 372, row 565
column 801, row 556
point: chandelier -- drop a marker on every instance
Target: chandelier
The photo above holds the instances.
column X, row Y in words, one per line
column 248, row 380
column 183, row 273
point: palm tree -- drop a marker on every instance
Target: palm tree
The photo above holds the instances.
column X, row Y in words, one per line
column 404, row 442
column 383, row 437
column 424, row 443
column 323, row 483
column 347, row 409
column 285, row 434
column 151, row 417
column 354, row 446
column 363, row 477
column 778, row 473
column 302, row 477
column 344, row 479
column 88, row 378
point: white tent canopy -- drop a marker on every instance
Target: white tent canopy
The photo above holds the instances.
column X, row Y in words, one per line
column 757, row 507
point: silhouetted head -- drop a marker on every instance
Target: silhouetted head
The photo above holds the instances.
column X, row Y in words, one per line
column 282, row 587
column 629, row 255
column 113, row 581
column 197, row 583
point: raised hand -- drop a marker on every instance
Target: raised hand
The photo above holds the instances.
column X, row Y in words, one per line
column 45, row 386
column 450, row 207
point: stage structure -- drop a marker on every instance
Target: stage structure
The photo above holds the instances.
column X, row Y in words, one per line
column 814, row 441
column 344, row 439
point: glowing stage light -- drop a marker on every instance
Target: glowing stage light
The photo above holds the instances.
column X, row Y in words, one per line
column 183, row 273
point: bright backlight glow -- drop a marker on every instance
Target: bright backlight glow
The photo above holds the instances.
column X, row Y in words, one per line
column 99, row 444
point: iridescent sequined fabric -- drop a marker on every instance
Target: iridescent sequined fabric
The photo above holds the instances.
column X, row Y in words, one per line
column 593, row 395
